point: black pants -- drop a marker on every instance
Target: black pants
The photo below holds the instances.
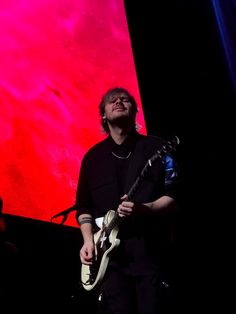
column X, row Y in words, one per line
column 122, row 294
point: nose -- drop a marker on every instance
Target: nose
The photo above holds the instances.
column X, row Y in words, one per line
column 118, row 100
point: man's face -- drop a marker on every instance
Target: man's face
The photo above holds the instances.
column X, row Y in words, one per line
column 118, row 107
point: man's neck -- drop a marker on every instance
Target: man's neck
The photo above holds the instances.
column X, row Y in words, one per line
column 118, row 135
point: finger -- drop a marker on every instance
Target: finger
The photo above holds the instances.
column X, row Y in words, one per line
column 85, row 260
column 124, row 197
column 120, row 213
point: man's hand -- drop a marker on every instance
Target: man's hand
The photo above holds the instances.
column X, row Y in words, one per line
column 87, row 253
column 126, row 207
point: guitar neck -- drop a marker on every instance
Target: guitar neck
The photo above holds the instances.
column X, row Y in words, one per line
column 137, row 182
column 117, row 219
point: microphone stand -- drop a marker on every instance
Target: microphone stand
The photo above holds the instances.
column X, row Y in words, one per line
column 64, row 214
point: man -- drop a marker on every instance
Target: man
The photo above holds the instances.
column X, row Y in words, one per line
column 136, row 275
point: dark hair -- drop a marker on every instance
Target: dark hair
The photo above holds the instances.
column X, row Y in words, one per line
column 106, row 96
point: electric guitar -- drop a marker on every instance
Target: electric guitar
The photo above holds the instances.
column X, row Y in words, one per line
column 105, row 239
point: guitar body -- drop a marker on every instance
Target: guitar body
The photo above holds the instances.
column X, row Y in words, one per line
column 105, row 242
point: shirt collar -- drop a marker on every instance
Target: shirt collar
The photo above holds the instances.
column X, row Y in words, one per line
column 128, row 143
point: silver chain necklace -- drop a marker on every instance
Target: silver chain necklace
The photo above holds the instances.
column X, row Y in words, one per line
column 126, row 157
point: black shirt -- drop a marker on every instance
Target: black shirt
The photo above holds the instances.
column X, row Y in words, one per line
column 104, row 178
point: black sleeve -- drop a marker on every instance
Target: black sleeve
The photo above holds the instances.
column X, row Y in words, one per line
column 83, row 203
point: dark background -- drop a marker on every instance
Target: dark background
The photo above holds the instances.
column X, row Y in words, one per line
column 187, row 91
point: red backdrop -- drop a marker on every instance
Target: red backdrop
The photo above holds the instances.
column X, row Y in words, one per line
column 57, row 58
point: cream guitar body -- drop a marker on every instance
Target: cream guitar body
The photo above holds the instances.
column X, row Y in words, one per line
column 105, row 242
